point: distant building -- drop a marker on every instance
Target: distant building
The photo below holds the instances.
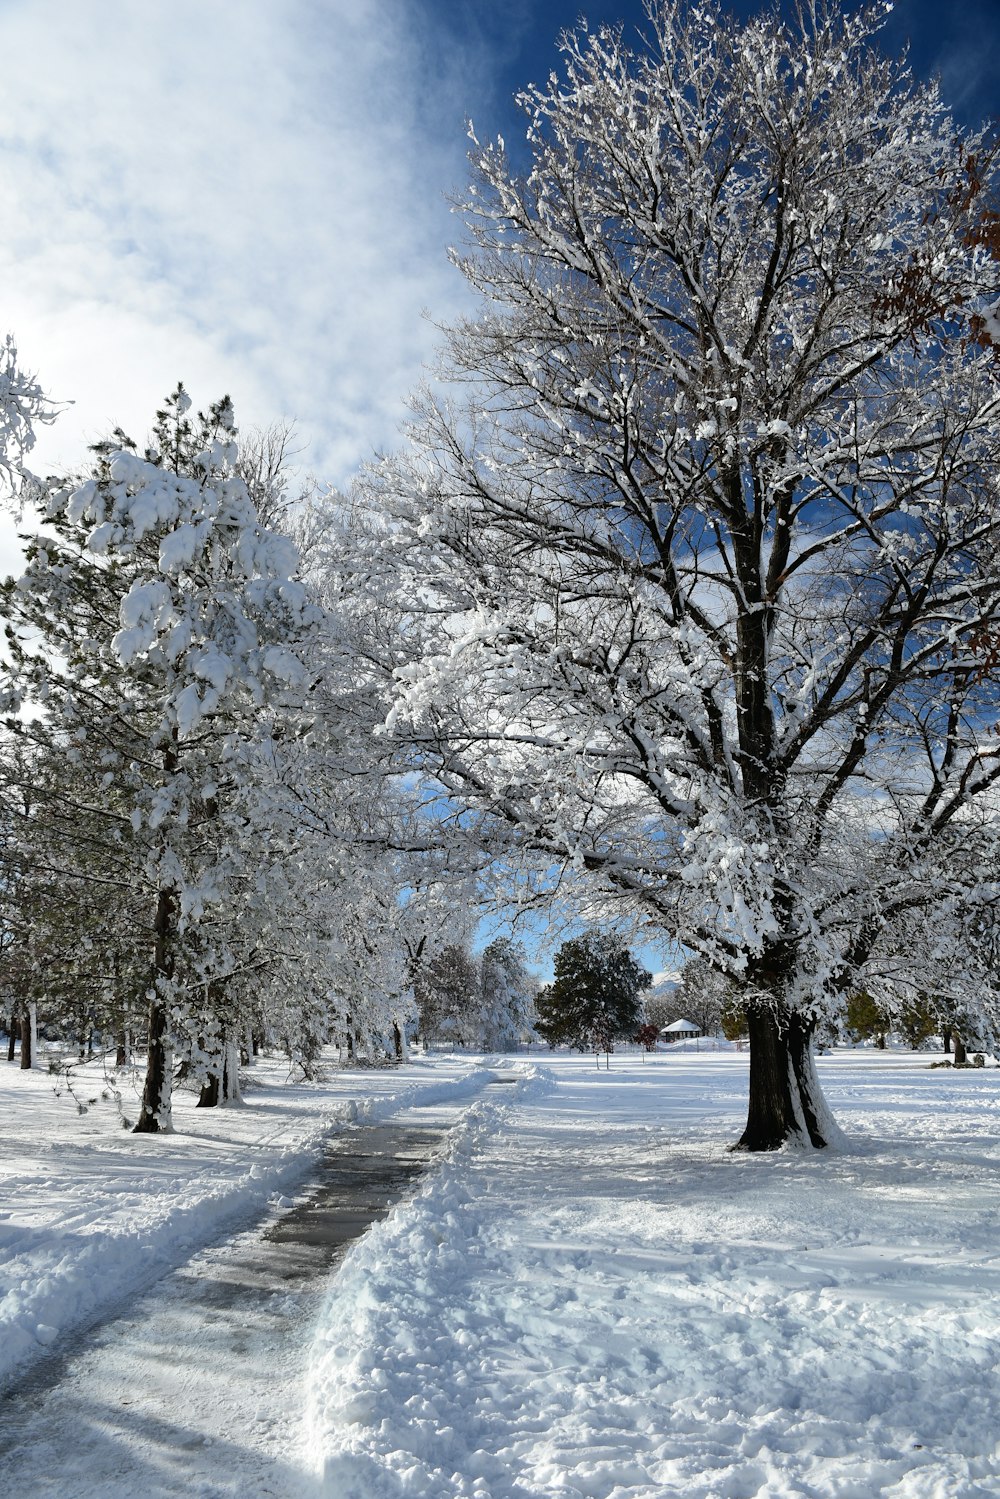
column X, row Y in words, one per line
column 681, row 1030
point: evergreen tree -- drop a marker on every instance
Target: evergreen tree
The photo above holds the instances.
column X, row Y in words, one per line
column 596, row 996
column 156, row 632
column 507, row 994
column 865, row 1019
column 447, row 991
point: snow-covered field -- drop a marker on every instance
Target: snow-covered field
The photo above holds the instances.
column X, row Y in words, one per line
column 591, row 1297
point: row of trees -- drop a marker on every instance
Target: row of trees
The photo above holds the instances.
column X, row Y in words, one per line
column 486, row 1002
column 194, row 814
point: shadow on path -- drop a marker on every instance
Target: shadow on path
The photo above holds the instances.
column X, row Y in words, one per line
column 197, row 1388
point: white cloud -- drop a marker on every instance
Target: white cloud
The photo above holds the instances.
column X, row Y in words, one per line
column 247, row 196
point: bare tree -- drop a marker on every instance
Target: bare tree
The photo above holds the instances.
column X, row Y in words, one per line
column 692, row 579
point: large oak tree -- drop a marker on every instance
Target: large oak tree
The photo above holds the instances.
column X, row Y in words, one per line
column 695, row 557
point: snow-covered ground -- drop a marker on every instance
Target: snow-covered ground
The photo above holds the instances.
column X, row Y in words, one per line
column 90, row 1213
column 594, row 1299
column 590, row 1297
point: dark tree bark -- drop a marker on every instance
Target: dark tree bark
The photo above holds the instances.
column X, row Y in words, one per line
column 26, row 1057
column 208, row 1098
column 397, row 1041
column 961, row 1055
column 946, row 1038
column 785, row 1101
column 154, row 1117
column 12, row 1035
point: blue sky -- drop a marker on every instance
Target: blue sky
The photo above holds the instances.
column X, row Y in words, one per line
column 250, row 194
column 957, row 39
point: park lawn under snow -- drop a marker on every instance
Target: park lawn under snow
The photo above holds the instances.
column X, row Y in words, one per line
column 593, row 1298
column 589, row 1297
column 90, row 1214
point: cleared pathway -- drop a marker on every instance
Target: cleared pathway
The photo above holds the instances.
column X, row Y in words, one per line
column 197, row 1389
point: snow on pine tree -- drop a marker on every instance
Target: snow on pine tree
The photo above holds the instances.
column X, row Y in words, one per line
column 447, row 992
column 507, row 995
column 71, row 917
column 695, row 562
column 23, row 405
column 595, row 997
column 157, row 631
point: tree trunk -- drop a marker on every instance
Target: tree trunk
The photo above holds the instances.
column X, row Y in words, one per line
column 27, row 1037
column 397, row 1040
column 123, row 1056
column 946, row 1038
column 208, row 1098
column 961, row 1055
column 786, row 1101
column 231, row 1073
column 155, row 1117
column 12, row 1035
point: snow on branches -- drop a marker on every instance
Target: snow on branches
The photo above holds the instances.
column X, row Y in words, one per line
column 171, row 768
column 22, row 406
column 690, row 587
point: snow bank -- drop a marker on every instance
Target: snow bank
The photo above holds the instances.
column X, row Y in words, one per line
column 92, row 1214
column 379, row 1361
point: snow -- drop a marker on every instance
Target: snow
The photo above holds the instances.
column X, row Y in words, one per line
column 593, row 1298
column 589, row 1297
column 179, row 547
column 92, row 1213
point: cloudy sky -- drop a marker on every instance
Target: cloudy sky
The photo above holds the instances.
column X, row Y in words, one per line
column 249, row 195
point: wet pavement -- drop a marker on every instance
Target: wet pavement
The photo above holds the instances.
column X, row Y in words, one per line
column 358, row 1181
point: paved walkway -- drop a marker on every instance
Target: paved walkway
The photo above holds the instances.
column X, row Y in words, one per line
column 197, row 1389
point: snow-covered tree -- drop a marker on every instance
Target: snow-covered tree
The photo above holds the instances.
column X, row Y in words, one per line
column 23, row 406
column 702, row 996
column 157, row 633
column 448, row 993
column 694, row 571
column 507, row 991
column 71, row 920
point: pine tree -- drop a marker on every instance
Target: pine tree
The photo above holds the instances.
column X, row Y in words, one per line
column 157, row 631
column 507, row 992
column 596, row 996
column 447, row 991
